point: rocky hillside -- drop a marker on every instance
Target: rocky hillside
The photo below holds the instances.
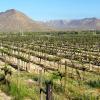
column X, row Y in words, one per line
column 13, row 20
column 82, row 24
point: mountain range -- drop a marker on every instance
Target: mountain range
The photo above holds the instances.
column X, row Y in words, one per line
column 13, row 20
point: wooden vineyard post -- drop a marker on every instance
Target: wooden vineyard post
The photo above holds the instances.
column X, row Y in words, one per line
column 65, row 76
column 59, row 65
column 28, row 63
column 18, row 73
column 89, row 62
column 40, row 53
column 49, row 91
column 40, row 84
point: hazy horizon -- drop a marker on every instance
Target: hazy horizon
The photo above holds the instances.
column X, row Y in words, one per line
column 54, row 9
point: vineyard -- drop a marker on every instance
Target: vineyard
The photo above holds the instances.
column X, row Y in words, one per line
column 50, row 66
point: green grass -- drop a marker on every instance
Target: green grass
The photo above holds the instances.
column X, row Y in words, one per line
column 19, row 89
column 94, row 83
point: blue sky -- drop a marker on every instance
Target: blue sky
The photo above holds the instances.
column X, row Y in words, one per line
column 54, row 9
